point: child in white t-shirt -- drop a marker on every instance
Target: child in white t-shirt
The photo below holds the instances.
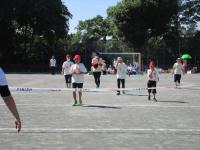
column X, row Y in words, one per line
column 121, row 68
column 65, row 71
column 153, row 78
column 77, row 70
column 177, row 71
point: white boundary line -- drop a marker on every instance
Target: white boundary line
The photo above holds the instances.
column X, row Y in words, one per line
column 31, row 89
column 102, row 130
column 103, row 105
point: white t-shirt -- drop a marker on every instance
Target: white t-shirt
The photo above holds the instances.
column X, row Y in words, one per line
column 154, row 75
column 78, row 78
column 177, row 68
column 3, row 80
column 66, row 67
column 52, row 62
column 121, row 71
column 99, row 64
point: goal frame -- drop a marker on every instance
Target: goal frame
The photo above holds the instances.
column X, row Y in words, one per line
column 126, row 53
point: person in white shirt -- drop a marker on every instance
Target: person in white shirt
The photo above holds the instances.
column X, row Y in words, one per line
column 77, row 70
column 97, row 69
column 65, row 71
column 8, row 99
column 52, row 65
column 122, row 69
column 177, row 71
column 153, row 78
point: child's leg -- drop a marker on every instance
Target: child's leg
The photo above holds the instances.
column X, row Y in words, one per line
column 154, row 91
column 80, row 86
column 123, row 84
column 80, row 97
column 74, row 85
column 149, row 90
column 118, row 86
column 74, row 96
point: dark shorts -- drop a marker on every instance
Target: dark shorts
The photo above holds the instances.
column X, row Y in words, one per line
column 4, row 91
column 177, row 78
column 77, row 85
column 68, row 78
column 151, row 84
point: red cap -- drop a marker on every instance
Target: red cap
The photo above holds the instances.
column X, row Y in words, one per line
column 152, row 63
column 77, row 56
column 67, row 56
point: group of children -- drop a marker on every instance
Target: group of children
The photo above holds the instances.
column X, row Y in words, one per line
column 74, row 73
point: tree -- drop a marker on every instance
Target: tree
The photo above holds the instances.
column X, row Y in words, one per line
column 93, row 29
column 22, row 22
column 134, row 18
column 190, row 12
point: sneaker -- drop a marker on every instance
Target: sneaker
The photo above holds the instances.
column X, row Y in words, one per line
column 75, row 104
column 118, row 93
column 149, row 97
column 80, row 103
column 155, row 99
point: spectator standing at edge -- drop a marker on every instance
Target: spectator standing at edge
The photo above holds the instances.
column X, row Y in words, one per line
column 65, row 71
column 9, row 100
column 52, row 65
column 77, row 70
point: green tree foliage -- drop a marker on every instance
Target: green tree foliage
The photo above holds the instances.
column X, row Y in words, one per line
column 134, row 18
column 26, row 23
column 190, row 12
column 93, row 29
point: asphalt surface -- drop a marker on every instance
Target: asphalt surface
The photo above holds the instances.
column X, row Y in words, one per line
column 105, row 121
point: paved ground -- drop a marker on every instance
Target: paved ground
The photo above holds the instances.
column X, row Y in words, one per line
column 106, row 121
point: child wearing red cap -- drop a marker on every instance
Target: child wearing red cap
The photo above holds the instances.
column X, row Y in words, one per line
column 65, row 70
column 77, row 70
column 153, row 78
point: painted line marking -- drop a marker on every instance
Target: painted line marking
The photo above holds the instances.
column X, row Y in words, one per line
column 103, row 105
column 102, row 130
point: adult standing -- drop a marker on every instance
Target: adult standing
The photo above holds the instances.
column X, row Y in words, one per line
column 97, row 69
column 177, row 71
column 121, row 69
column 65, row 71
column 52, row 65
column 9, row 100
column 77, row 70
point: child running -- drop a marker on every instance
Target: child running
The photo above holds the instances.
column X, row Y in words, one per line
column 121, row 68
column 77, row 70
column 65, row 70
column 153, row 78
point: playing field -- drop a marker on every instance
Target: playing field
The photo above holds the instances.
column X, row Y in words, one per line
column 105, row 121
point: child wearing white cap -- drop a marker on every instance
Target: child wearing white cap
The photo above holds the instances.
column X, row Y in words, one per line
column 121, row 68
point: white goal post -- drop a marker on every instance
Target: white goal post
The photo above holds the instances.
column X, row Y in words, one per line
column 133, row 54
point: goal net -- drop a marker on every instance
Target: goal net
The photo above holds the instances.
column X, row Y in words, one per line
column 131, row 59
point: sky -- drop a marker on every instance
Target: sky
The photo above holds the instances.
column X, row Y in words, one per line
column 86, row 9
